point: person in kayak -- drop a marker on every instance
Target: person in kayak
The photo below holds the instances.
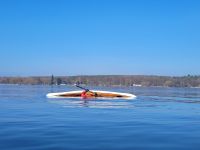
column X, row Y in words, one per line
column 84, row 94
column 88, row 94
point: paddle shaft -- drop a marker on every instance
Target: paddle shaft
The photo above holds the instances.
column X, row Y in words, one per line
column 82, row 88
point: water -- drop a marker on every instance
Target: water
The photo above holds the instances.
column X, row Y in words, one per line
column 159, row 118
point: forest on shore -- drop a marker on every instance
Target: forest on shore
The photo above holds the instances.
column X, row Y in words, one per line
column 107, row 80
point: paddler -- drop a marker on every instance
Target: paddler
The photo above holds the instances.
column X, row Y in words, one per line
column 84, row 94
column 88, row 94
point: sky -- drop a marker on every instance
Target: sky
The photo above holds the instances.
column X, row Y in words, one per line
column 99, row 37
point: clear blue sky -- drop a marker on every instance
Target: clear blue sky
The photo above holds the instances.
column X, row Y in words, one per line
column 60, row 37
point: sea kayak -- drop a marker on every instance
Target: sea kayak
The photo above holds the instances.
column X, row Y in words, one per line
column 92, row 94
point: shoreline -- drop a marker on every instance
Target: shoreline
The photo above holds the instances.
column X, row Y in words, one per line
column 108, row 80
column 71, row 85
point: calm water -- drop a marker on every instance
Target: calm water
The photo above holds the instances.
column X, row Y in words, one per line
column 159, row 118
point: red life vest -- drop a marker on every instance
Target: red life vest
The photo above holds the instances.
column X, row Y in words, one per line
column 83, row 94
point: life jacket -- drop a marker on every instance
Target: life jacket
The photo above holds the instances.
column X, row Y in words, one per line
column 84, row 94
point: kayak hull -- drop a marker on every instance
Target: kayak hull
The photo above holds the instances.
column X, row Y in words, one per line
column 94, row 94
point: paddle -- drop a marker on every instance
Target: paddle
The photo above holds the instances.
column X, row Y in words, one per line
column 82, row 88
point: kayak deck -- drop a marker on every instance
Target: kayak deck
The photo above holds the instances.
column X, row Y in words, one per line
column 92, row 94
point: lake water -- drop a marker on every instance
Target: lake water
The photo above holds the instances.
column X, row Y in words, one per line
column 159, row 118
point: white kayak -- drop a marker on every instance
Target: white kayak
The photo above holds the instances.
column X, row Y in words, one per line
column 92, row 94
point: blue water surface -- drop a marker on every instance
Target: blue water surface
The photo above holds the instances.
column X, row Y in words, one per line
column 159, row 118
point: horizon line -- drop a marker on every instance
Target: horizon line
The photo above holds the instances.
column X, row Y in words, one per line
column 26, row 76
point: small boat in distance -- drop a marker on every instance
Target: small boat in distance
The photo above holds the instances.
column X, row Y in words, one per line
column 91, row 94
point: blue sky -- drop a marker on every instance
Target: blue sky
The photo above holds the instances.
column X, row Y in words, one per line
column 91, row 37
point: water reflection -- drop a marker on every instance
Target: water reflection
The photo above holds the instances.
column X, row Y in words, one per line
column 175, row 99
column 93, row 103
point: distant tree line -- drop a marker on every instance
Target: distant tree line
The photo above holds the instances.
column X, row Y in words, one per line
column 108, row 80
